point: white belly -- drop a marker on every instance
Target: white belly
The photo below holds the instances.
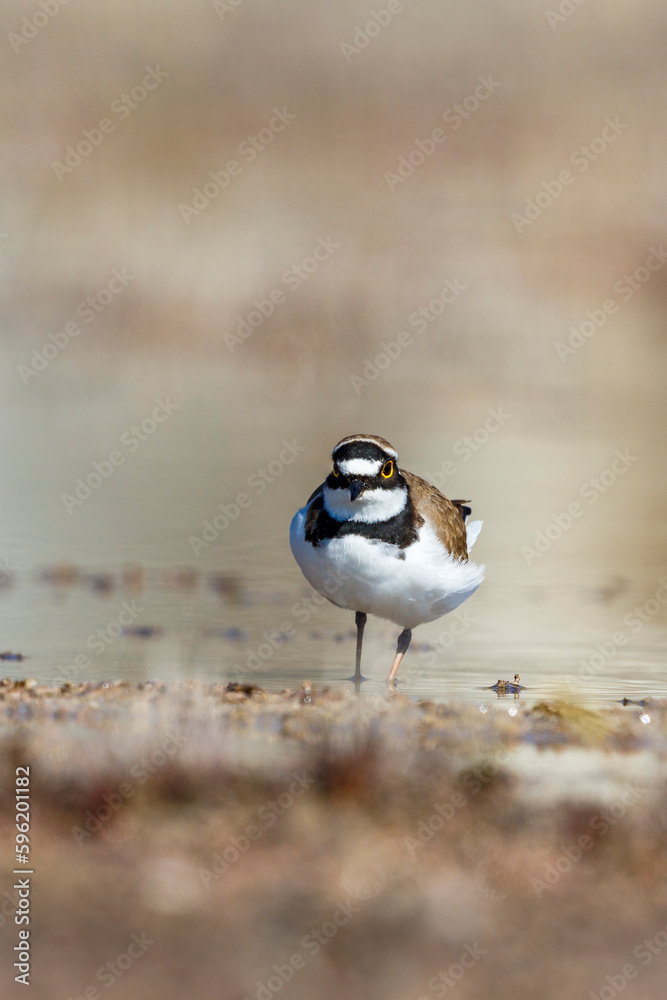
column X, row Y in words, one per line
column 362, row 575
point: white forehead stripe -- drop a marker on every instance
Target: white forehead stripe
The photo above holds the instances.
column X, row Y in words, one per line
column 360, row 466
column 369, row 440
column 372, row 506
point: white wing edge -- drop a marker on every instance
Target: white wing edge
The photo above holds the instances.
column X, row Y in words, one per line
column 472, row 531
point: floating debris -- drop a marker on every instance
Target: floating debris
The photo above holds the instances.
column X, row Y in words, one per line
column 142, row 631
column 507, row 687
column 232, row 634
column 235, row 634
column 226, row 585
column 100, row 583
column 7, row 655
column 181, row 578
column 248, row 689
column 616, row 586
column 278, row 638
column 331, row 636
column 133, row 577
column 62, row 575
column 421, row 647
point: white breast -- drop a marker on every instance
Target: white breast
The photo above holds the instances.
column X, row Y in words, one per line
column 363, row 575
column 372, row 506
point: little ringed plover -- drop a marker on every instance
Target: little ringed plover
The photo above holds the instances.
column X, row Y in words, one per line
column 376, row 539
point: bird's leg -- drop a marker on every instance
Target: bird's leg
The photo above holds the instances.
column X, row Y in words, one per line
column 401, row 650
column 360, row 622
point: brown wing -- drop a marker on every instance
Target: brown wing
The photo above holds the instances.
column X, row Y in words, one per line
column 445, row 516
column 315, row 503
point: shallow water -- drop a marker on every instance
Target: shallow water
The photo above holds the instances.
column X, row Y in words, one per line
column 565, row 622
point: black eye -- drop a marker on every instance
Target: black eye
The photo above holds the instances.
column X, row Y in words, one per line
column 387, row 470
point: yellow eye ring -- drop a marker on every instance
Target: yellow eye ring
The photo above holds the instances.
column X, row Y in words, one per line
column 387, row 470
column 336, row 472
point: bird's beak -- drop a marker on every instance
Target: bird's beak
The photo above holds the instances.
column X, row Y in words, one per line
column 356, row 489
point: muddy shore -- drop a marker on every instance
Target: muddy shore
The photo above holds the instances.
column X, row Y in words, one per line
column 204, row 841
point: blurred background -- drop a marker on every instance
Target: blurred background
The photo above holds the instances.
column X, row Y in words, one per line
column 233, row 211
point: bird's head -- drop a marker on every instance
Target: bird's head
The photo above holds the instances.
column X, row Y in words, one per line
column 365, row 483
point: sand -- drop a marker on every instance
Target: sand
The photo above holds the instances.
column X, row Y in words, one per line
column 203, row 841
